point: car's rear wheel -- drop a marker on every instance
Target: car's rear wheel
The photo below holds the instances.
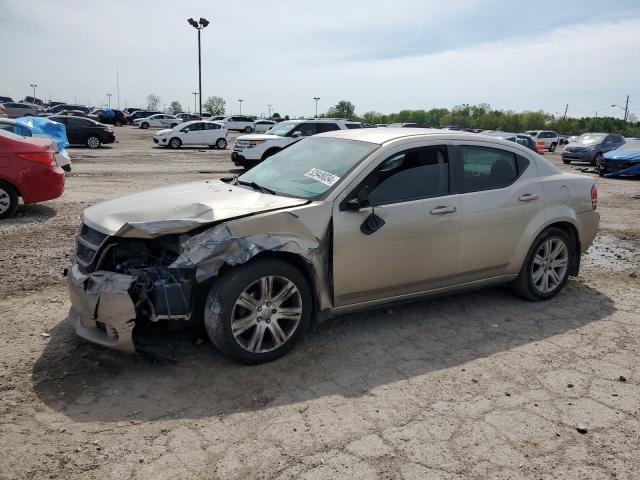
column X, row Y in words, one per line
column 597, row 159
column 8, row 200
column 552, row 147
column 248, row 129
column 175, row 142
column 256, row 312
column 221, row 143
column 93, row 141
column 144, row 125
column 546, row 267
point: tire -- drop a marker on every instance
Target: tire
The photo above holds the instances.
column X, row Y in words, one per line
column 144, row 125
column 532, row 288
column 224, row 303
column 8, row 200
column 118, row 123
column 93, row 141
column 552, row 147
column 175, row 142
column 602, row 170
column 221, row 144
column 566, row 162
column 597, row 159
column 248, row 129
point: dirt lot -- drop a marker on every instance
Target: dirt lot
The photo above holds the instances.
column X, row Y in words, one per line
column 481, row 385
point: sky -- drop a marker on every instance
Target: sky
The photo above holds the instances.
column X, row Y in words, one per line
column 383, row 56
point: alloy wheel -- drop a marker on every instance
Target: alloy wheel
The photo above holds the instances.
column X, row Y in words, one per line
column 221, row 143
column 550, row 265
column 266, row 314
column 93, row 142
column 5, row 201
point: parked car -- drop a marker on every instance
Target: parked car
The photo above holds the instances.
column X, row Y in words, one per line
column 563, row 139
column 249, row 150
column 117, row 117
column 186, row 117
column 130, row 110
column 29, row 171
column 157, row 120
column 263, row 125
column 57, row 109
column 239, row 123
column 85, row 131
column 6, row 99
column 3, row 112
column 520, row 138
column 60, row 154
column 623, row 161
column 590, row 147
column 74, row 113
column 549, row 138
column 297, row 237
column 17, row 110
column 140, row 114
column 196, row 132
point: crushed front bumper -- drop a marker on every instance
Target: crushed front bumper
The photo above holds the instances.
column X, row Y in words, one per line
column 102, row 310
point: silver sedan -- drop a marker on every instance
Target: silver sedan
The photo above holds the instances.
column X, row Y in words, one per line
column 335, row 223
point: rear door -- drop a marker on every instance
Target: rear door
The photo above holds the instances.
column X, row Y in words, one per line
column 500, row 197
column 211, row 133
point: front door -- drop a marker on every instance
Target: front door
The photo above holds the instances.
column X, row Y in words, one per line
column 193, row 134
column 500, row 197
column 417, row 247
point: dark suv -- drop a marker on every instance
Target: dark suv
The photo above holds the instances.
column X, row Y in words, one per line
column 589, row 147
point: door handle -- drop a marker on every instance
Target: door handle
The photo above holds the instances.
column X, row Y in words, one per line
column 527, row 197
column 442, row 210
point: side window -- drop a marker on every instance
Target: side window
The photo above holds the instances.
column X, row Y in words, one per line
column 487, row 168
column 353, row 125
column 326, row 127
column 410, row 175
column 608, row 140
column 196, row 127
column 212, row 126
column 75, row 122
column 307, row 129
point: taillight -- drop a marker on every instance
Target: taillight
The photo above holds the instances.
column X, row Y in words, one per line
column 46, row 158
column 110, row 129
column 594, row 197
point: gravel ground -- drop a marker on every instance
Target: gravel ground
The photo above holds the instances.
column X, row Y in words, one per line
column 480, row 385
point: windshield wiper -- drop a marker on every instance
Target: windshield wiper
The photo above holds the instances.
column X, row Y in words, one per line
column 255, row 186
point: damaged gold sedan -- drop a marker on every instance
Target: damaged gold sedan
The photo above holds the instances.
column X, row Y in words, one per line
column 337, row 222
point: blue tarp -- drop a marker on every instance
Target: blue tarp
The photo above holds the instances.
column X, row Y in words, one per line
column 108, row 113
column 42, row 125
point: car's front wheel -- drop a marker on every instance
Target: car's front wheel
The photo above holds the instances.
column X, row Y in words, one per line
column 93, row 141
column 552, row 147
column 8, row 200
column 175, row 142
column 602, row 169
column 546, row 268
column 597, row 159
column 256, row 312
column 566, row 161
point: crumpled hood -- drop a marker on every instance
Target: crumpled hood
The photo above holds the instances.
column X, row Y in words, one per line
column 622, row 155
column 259, row 136
column 180, row 208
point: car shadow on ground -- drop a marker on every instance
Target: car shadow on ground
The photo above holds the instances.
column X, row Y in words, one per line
column 348, row 356
column 32, row 213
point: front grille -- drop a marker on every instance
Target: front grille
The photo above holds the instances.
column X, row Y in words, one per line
column 89, row 242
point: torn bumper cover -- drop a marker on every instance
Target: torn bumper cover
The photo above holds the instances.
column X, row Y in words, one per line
column 102, row 310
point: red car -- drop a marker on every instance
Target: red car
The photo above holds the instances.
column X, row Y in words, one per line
column 27, row 169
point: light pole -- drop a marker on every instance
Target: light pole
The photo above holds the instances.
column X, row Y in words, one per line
column 202, row 23
column 240, row 102
column 269, row 107
column 109, row 96
column 195, row 98
column 625, row 109
column 34, row 85
column 316, row 99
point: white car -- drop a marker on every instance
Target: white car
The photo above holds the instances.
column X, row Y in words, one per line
column 264, row 125
column 550, row 139
column 195, row 132
column 249, row 150
column 239, row 123
column 157, row 120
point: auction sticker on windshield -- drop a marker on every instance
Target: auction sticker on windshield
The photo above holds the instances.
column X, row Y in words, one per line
column 322, row 176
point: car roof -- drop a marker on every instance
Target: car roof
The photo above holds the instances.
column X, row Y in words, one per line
column 384, row 135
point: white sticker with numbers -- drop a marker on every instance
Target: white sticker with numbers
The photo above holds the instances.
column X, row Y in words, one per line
column 322, row 176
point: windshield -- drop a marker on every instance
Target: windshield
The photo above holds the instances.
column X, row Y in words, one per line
column 310, row 167
column 590, row 138
column 283, row 128
column 630, row 146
